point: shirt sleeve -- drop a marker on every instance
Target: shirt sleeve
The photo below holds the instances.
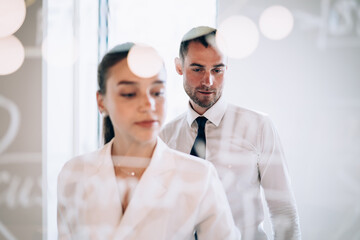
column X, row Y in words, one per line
column 275, row 181
column 68, row 201
column 63, row 228
column 215, row 220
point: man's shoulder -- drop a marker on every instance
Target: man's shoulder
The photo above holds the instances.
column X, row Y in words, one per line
column 173, row 128
column 239, row 110
column 176, row 121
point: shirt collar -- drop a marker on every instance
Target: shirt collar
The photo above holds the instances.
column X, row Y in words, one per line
column 213, row 114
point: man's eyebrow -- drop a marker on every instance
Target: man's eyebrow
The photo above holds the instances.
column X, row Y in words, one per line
column 199, row 65
column 196, row 65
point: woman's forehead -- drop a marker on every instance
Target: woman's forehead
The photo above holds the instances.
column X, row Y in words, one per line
column 120, row 73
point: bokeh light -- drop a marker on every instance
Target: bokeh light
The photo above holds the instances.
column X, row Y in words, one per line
column 12, row 55
column 12, row 16
column 276, row 22
column 237, row 36
column 144, row 61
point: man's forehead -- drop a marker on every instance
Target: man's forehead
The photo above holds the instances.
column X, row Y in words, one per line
column 198, row 48
column 213, row 63
column 198, row 51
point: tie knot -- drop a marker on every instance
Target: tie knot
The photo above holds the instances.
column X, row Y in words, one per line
column 201, row 121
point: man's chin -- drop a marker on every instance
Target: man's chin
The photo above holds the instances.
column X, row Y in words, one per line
column 205, row 104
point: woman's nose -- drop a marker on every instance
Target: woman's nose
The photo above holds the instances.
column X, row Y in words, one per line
column 147, row 103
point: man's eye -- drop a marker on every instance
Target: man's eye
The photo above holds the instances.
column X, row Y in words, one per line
column 218, row 70
column 196, row 69
column 128, row 95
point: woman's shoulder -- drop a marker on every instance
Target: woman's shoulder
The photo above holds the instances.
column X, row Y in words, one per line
column 87, row 161
column 82, row 159
column 189, row 164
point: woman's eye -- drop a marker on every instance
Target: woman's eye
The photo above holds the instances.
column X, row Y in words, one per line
column 158, row 93
column 128, row 95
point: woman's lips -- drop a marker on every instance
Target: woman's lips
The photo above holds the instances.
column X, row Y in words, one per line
column 147, row 123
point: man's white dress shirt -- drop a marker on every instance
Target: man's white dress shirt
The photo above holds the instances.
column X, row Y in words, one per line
column 246, row 151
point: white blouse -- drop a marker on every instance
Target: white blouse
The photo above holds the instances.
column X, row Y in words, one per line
column 176, row 195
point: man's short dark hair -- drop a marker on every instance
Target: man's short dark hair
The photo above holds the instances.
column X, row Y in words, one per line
column 200, row 34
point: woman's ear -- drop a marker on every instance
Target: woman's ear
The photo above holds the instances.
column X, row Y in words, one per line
column 178, row 66
column 100, row 103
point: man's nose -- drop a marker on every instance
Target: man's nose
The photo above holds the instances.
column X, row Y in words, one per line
column 208, row 79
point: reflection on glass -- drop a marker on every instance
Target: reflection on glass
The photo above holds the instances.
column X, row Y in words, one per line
column 238, row 36
column 276, row 22
column 12, row 16
column 12, row 55
column 135, row 186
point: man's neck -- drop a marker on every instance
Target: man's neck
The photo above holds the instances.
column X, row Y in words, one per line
column 197, row 108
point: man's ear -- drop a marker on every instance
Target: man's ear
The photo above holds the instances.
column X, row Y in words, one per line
column 100, row 102
column 178, row 66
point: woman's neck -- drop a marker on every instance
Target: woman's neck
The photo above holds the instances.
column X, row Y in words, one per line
column 132, row 148
column 131, row 159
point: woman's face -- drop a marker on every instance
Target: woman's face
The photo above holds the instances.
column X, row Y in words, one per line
column 136, row 105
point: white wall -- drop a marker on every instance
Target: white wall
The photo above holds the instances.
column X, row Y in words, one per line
column 312, row 95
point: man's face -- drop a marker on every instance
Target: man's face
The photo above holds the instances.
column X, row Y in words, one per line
column 203, row 70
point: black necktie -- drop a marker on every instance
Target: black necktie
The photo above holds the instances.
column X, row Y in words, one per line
column 198, row 149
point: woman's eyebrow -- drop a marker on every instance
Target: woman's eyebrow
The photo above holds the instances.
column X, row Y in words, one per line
column 159, row 82
column 133, row 83
column 126, row 82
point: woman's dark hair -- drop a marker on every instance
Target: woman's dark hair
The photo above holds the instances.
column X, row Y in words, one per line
column 114, row 56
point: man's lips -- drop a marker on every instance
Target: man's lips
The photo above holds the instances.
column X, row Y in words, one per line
column 205, row 92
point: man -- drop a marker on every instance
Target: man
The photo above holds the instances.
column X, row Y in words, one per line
column 242, row 144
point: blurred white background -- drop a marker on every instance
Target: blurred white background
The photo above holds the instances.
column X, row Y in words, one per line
column 308, row 82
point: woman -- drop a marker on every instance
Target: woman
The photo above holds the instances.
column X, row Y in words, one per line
column 135, row 187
